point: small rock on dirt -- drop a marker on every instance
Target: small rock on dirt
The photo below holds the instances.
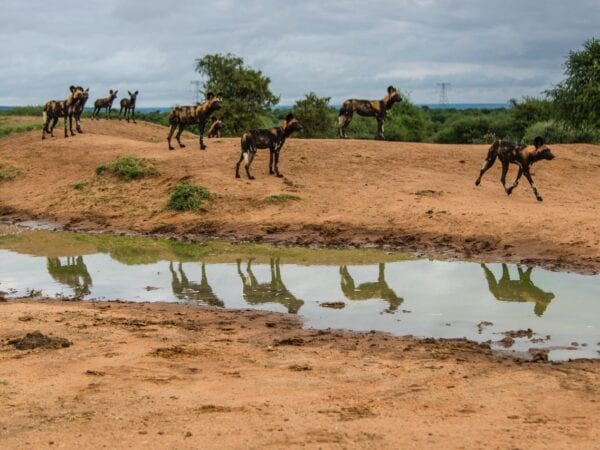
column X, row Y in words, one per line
column 333, row 305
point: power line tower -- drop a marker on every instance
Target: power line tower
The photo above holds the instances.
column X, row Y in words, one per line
column 196, row 90
column 443, row 93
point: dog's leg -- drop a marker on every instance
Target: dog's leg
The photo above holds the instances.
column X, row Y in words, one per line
column 516, row 183
column 178, row 135
column 54, row 122
column 277, row 174
column 487, row 164
column 503, row 176
column 243, row 156
column 250, row 158
column 535, row 191
column 271, row 160
column 201, row 126
column 343, row 122
column 173, row 126
column 379, row 135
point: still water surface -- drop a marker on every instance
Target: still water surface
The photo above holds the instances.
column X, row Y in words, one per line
column 373, row 290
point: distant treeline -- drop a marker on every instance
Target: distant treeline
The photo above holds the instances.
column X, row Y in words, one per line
column 520, row 122
column 568, row 112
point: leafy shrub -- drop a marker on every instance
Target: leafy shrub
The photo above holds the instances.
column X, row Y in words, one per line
column 556, row 132
column 129, row 168
column 8, row 172
column 188, row 197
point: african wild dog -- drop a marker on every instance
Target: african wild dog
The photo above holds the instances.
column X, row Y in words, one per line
column 79, row 109
column 522, row 155
column 104, row 103
column 128, row 104
column 272, row 138
column 275, row 291
column 521, row 290
column 181, row 116
column 215, row 128
column 55, row 109
column 368, row 108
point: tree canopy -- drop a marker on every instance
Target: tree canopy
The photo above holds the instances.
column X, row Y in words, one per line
column 577, row 98
column 246, row 94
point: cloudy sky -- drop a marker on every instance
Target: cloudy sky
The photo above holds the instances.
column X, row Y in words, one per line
column 490, row 51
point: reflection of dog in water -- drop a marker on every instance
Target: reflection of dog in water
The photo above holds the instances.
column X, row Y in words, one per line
column 186, row 290
column 366, row 291
column 256, row 293
column 74, row 274
column 521, row 290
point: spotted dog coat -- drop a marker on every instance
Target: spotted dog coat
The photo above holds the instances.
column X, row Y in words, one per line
column 128, row 105
column 271, row 138
column 521, row 155
column 55, row 109
column 368, row 108
column 215, row 128
column 181, row 116
column 104, row 103
column 79, row 108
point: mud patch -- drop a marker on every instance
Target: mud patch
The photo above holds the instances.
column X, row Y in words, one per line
column 38, row 340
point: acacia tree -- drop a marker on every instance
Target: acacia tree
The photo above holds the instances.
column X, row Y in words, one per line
column 246, row 95
column 316, row 116
column 577, row 98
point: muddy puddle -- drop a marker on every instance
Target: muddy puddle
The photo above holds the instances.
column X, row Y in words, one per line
column 516, row 308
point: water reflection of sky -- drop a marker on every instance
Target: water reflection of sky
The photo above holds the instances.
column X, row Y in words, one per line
column 445, row 299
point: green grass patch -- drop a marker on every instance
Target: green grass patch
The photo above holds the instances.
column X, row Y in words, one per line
column 129, row 168
column 79, row 186
column 8, row 172
column 18, row 124
column 188, row 197
column 282, row 198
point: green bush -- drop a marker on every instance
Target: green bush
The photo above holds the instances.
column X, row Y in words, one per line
column 23, row 111
column 8, row 172
column 556, row 132
column 188, row 197
column 316, row 116
column 129, row 168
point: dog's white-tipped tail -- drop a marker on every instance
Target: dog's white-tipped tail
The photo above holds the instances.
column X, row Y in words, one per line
column 44, row 117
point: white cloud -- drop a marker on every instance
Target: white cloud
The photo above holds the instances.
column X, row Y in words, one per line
column 489, row 51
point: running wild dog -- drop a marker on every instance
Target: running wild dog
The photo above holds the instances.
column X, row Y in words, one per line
column 104, row 103
column 181, row 116
column 128, row 105
column 215, row 128
column 368, row 108
column 272, row 138
column 521, row 155
column 55, row 109
column 79, row 109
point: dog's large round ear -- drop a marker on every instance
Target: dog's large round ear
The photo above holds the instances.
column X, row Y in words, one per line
column 110, row 91
column 391, row 89
column 136, row 92
column 220, row 95
column 289, row 117
column 538, row 141
column 71, row 88
column 209, row 95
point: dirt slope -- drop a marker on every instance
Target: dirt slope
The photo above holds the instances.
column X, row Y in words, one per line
column 419, row 197
column 175, row 376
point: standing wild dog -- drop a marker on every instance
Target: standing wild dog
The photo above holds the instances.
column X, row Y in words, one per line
column 522, row 155
column 215, row 128
column 271, row 138
column 79, row 109
column 181, row 116
column 104, row 103
column 55, row 109
column 128, row 105
column 368, row 108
